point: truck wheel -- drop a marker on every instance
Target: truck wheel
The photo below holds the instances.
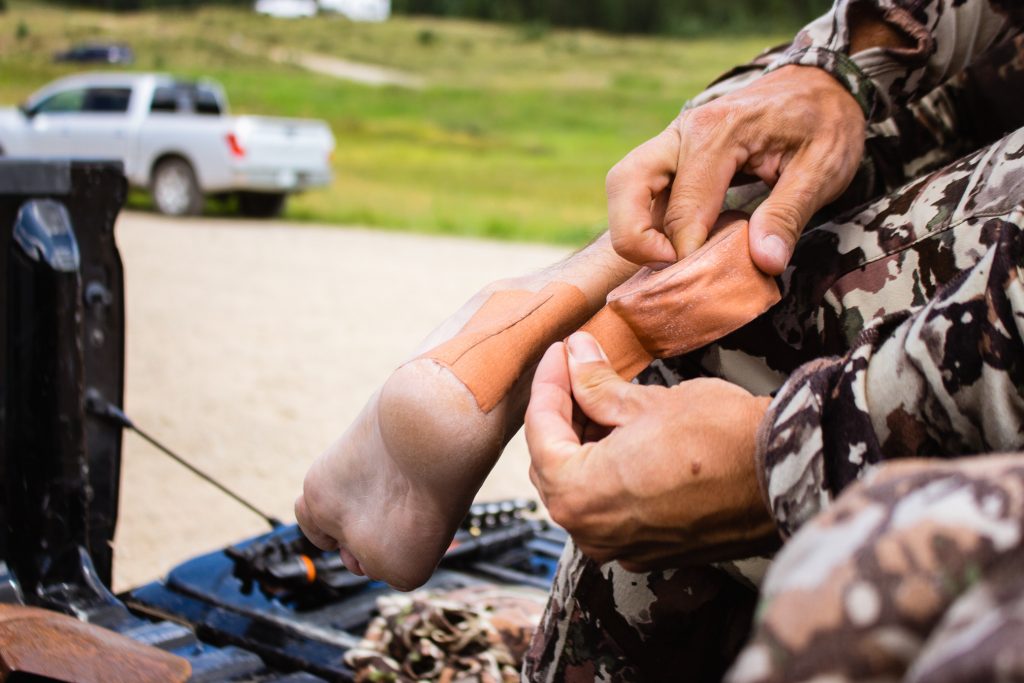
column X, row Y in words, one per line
column 261, row 204
column 175, row 190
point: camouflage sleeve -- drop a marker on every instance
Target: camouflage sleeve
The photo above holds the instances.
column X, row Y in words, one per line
column 943, row 380
column 934, row 40
column 913, row 575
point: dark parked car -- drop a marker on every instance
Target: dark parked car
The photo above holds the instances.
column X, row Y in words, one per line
column 97, row 53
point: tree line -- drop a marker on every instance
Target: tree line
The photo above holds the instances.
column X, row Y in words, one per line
column 666, row 17
column 660, row 17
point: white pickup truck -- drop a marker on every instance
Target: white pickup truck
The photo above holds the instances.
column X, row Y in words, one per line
column 175, row 139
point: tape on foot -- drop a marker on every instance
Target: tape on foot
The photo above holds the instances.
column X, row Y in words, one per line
column 507, row 335
column 699, row 300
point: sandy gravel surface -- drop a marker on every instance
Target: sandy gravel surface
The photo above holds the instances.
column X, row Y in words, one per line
column 251, row 345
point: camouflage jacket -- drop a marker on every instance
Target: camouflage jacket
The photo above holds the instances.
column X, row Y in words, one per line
column 936, row 39
column 943, row 379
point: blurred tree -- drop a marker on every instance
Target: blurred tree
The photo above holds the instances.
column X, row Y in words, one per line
column 674, row 17
column 131, row 5
column 667, row 17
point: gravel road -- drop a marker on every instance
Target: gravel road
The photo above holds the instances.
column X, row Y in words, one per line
column 250, row 347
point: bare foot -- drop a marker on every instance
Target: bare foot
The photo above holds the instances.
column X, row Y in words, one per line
column 390, row 493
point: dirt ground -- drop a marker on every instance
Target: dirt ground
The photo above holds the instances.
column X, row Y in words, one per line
column 251, row 345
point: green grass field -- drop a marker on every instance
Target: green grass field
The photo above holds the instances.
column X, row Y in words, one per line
column 511, row 138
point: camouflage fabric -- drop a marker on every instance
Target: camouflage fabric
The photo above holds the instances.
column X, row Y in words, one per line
column 940, row 38
column 604, row 623
column 932, row 364
column 476, row 634
column 914, row 574
column 897, row 336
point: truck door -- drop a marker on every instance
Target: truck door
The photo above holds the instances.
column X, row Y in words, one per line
column 83, row 122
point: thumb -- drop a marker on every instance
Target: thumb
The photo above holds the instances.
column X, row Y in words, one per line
column 603, row 396
column 778, row 222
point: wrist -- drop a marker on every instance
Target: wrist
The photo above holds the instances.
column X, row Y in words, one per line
column 843, row 70
column 596, row 269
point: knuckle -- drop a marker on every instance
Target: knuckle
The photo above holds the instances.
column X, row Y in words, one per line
column 804, row 112
column 676, row 221
column 702, row 119
column 602, row 388
column 615, row 177
column 674, row 213
column 594, row 382
column 673, row 134
column 632, row 402
column 627, row 171
column 786, row 214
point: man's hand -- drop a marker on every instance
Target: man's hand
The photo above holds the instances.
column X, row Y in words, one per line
column 671, row 481
column 796, row 128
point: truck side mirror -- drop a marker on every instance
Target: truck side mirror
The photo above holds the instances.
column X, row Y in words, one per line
column 27, row 112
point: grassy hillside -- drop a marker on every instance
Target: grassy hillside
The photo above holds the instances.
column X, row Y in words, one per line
column 511, row 138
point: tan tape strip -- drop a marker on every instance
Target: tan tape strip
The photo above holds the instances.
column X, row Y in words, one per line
column 507, row 335
column 700, row 299
column 656, row 314
column 665, row 313
column 625, row 352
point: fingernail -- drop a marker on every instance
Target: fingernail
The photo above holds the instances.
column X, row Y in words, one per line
column 584, row 348
column 775, row 249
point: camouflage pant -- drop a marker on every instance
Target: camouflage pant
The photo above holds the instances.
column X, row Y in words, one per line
column 909, row 568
